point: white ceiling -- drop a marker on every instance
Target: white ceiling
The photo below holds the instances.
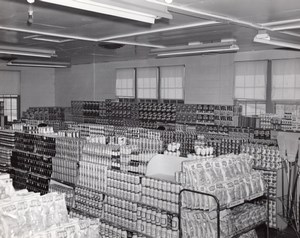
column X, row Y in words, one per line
column 49, row 18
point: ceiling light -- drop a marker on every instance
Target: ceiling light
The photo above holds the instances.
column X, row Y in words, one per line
column 52, row 40
column 135, row 43
column 113, row 8
column 26, row 51
column 264, row 38
column 43, row 64
column 196, row 49
column 283, row 22
column 9, row 52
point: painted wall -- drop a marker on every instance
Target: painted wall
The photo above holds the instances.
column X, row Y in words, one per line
column 37, row 88
column 209, row 79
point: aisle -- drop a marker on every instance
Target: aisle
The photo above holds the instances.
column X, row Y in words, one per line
column 288, row 233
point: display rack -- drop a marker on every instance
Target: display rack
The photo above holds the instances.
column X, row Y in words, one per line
column 218, row 210
column 161, row 167
column 151, row 114
column 268, row 161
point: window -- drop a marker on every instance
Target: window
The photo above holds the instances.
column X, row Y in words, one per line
column 250, row 80
column 11, row 106
column 293, row 109
column 251, row 108
column 286, row 80
column 147, row 81
column 125, row 83
column 250, row 86
column 171, row 84
column 144, row 83
column 9, row 93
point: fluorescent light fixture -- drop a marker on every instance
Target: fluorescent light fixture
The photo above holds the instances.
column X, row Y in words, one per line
column 286, row 27
column 52, row 40
column 8, row 52
column 264, row 38
column 25, row 51
column 283, row 22
column 113, row 8
column 196, row 49
column 135, row 43
column 42, row 64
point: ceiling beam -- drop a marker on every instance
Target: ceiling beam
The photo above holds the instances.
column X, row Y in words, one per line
column 227, row 19
column 209, row 15
column 26, row 30
column 165, row 29
column 135, row 43
column 283, row 22
column 114, row 37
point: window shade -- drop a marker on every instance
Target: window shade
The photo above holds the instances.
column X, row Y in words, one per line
column 286, row 79
column 147, row 83
column 171, row 86
column 250, row 80
column 125, row 86
column 10, row 82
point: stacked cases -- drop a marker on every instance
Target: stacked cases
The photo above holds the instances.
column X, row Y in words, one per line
column 32, row 161
column 7, row 143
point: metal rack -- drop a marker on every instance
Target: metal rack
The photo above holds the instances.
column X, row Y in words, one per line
column 218, row 210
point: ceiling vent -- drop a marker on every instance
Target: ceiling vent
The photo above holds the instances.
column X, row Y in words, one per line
column 110, row 46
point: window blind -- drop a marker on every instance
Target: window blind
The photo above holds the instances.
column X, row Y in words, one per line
column 286, row 79
column 147, row 80
column 172, row 78
column 250, row 80
column 125, row 86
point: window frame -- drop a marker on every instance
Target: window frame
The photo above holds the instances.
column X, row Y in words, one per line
column 183, row 82
column 17, row 98
column 284, row 101
column 158, row 88
column 267, row 100
column 134, row 84
column 157, row 84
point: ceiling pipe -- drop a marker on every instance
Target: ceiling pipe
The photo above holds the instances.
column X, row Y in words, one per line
column 166, row 29
column 276, row 23
column 46, row 33
column 291, row 33
column 135, row 43
column 287, row 27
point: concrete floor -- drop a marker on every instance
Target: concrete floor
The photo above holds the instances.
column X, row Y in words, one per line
column 288, row 233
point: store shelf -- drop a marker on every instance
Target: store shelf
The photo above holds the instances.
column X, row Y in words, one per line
column 92, row 190
column 124, row 228
column 264, row 169
column 39, row 175
column 64, row 182
column 163, row 210
column 247, row 229
column 84, row 213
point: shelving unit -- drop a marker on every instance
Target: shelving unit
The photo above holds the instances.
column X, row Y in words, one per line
column 218, row 211
column 267, row 159
column 152, row 114
column 31, row 162
column 7, row 144
column 100, row 197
